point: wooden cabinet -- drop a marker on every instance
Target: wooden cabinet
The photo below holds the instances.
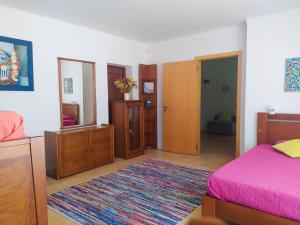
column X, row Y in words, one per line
column 74, row 156
column 23, row 182
column 128, row 119
column 101, row 143
column 72, row 151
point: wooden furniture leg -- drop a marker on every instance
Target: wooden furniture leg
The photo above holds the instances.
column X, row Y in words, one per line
column 208, row 207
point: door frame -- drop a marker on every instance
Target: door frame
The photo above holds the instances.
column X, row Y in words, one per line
column 223, row 55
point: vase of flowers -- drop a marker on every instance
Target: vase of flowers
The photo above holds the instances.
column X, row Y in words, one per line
column 125, row 85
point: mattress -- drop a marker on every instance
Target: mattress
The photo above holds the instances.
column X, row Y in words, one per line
column 262, row 179
column 11, row 126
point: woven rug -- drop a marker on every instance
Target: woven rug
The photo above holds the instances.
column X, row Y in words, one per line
column 151, row 192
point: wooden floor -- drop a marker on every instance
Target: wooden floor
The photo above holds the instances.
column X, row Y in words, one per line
column 211, row 158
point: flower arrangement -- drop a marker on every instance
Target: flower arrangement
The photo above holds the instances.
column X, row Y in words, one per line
column 125, row 84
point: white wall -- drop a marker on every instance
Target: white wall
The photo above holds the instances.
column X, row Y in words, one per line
column 214, row 99
column 224, row 40
column 52, row 39
column 270, row 40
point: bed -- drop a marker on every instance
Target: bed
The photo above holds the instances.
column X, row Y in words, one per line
column 11, row 126
column 22, row 170
column 262, row 187
column 222, row 127
column 70, row 114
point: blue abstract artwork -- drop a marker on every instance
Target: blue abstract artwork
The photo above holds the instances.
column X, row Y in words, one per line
column 16, row 69
column 292, row 75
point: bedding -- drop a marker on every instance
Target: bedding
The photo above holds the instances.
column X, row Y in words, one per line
column 262, row 179
column 68, row 120
column 11, row 126
column 66, row 117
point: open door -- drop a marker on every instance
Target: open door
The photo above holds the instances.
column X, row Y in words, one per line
column 181, row 102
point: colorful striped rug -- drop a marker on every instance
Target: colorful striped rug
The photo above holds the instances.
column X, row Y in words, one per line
column 152, row 192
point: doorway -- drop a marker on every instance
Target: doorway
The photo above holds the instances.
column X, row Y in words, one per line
column 181, row 104
column 218, row 105
column 220, row 91
column 114, row 73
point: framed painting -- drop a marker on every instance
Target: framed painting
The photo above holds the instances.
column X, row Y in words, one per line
column 292, row 75
column 148, row 87
column 16, row 69
column 68, row 86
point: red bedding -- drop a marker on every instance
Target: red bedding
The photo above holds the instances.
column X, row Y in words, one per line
column 11, row 126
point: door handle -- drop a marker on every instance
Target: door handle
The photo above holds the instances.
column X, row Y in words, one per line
column 165, row 108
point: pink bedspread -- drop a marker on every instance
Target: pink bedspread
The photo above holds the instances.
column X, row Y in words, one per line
column 11, row 126
column 262, row 179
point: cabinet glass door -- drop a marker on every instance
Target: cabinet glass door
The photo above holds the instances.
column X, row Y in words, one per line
column 134, row 128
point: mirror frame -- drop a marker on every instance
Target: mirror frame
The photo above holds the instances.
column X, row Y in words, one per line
column 59, row 60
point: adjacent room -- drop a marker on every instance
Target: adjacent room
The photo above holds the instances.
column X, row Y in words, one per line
column 219, row 105
column 149, row 112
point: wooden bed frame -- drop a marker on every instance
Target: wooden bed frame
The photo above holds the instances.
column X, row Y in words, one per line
column 23, row 191
column 269, row 129
column 71, row 110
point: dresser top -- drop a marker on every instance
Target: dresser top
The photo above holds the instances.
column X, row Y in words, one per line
column 81, row 128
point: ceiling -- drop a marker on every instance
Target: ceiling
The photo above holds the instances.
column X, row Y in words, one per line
column 153, row 20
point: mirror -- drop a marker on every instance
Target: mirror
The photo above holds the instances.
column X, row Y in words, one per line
column 77, row 92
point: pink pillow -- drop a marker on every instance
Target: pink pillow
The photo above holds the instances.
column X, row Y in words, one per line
column 11, row 126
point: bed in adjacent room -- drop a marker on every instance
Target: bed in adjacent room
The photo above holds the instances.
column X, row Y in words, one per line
column 262, row 186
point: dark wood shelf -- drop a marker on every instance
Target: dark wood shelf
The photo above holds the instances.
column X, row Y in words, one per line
column 148, row 73
column 152, row 106
column 150, row 133
column 150, row 120
column 154, row 93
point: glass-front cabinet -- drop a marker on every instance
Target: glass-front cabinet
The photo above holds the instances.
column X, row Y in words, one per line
column 128, row 119
column 134, row 127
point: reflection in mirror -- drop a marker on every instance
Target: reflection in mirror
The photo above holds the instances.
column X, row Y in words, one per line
column 77, row 92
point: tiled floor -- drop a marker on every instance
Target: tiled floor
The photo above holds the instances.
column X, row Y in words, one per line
column 217, row 145
column 212, row 157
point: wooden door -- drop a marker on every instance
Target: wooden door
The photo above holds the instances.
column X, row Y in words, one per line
column 181, row 102
column 16, row 186
column 113, row 73
column 74, row 152
column 101, row 142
